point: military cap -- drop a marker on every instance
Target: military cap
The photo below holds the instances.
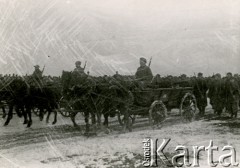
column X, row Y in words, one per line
column 37, row 66
column 78, row 62
column 229, row 73
column 143, row 59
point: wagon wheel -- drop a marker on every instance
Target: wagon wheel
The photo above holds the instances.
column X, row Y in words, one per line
column 121, row 118
column 157, row 113
column 65, row 107
column 188, row 107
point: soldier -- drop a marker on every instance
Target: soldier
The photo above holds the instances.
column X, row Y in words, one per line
column 143, row 73
column 78, row 68
column 37, row 74
column 156, row 81
column 211, row 91
column 231, row 95
column 199, row 90
column 216, row 94
column 79, row 75
column 237, row 77
column 117, row 76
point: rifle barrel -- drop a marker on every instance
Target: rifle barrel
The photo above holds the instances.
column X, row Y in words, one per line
column 150, row 62
column 85, row 65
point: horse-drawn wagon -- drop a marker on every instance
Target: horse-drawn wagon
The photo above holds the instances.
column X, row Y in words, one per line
column 156, row 103
column 150, row 101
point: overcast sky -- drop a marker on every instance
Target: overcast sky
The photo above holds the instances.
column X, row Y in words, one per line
column 181, row 36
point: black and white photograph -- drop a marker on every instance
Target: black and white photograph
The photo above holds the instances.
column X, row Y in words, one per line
column 119, row 83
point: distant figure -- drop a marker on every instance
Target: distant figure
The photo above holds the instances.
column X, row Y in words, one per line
column 37, row 74
column 156, row 80
column 78, row 68
column 143, row 73
column 117, row 75
column 79, row 75
column 231, row 94
column 200, row 91
column 216, row 94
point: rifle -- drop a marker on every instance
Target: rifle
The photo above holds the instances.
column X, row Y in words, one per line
column 150, row 62
column 43, row 69
column 85, row 65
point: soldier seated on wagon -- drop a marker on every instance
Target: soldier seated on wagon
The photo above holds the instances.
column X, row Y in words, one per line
column 144, row 73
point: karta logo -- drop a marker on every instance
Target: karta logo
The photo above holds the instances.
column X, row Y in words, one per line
column 152, row 152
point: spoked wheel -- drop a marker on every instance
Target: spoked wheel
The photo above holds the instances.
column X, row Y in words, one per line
column 188, row 107
column 157, row 113
column 65, row 107
column 121, row 118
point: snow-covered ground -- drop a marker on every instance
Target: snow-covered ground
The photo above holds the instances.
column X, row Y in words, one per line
column 62, row 146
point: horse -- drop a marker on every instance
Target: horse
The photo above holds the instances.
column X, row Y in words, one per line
column 119, row 99
column 3, row 103
column 44, row 97
column 16, row 94
column 78, row 91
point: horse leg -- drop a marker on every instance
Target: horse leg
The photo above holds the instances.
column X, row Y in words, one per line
column 17, row 109
column 99, row 120
column 41, row 113
column 105, row 123
column 4, row 112
column 93, row 117
column 55, row 117
column 73, row 115
column 9, row 115
column 126, row 121
column 87, row 121
column 28, row 111
column 24, row 115
column 48, row 115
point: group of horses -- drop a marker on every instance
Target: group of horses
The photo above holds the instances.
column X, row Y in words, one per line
column 94, row 96
column 97, row 96
column 23, row 95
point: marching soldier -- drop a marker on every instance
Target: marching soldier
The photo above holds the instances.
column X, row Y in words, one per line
column 211, row 91
column 144, row 72
column 232, row 95
column 199, row 90
column 216, row 94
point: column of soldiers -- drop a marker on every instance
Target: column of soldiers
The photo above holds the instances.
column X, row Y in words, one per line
column 223, row 93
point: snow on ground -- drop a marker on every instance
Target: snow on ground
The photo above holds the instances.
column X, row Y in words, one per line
column 61, row 146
